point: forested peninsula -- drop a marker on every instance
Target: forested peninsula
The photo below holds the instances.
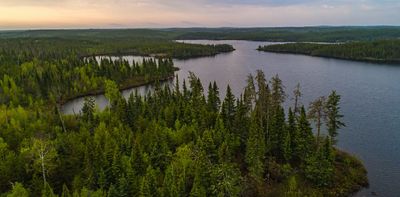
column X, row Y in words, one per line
column 175, row 141
column 62, row 68
column 179, row 142
column 380, row 51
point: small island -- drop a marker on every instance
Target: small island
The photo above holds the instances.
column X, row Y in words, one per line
column 381, row 51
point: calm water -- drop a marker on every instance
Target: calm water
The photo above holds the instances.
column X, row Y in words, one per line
column 370, row 99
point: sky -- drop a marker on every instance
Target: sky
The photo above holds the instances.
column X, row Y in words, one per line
column 37, row 14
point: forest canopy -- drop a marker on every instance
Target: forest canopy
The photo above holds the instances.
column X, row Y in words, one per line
column 174, row 141
column 179, row 142
column 383, row 51
column 275, row 34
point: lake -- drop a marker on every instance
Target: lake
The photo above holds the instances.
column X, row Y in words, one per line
column 370, row 99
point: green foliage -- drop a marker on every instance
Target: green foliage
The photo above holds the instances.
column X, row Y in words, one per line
column 112, row 92
column 319, row 166
column 293, row 34
column 384, row 51
column 18, row 190
column 317, row 113
column 255, row 151
column 48, row 191
column 305, row 141
column 333, row 116
column 228, row 108
column 225, row 180
column 148, row 185
column 293, row 189
column 167, row 143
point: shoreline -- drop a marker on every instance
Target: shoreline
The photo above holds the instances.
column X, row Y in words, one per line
column 377, row 61
column 122, row 87
column 158, row 55
column 350, row 177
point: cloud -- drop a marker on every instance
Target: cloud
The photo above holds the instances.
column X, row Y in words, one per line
column 185, row 13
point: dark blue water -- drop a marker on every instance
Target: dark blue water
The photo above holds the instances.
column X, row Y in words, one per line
column 370, row 99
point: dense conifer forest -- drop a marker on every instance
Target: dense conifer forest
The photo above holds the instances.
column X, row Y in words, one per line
column 178, row 142
column 294, row 34
column 273, row 34
column 59, row 69
column 383, row 51
column 174, row 141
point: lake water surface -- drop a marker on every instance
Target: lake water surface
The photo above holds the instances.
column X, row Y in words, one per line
column 370, row 99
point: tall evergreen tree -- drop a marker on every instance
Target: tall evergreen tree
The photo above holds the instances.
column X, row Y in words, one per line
column 333, row 116
column 277, row 91
column 213, row 97
column 305, row 140
column 88, row 109
column 228, row 108
column 297, row 95
column 249, row 96
column 255, row 151
column 317, row 114
column 293, row 135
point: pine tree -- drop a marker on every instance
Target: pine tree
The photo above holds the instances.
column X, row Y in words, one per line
column 148, row 185
column 88, row 109
column 277, row 91
column 18, row 190
column 319, row 166
column 278, row 132
column 198, row 190
column 255, row 151
column 249, row 96
column 297, row 95
column 226, row 180
column 317, row 114
column 286, row 146
column 177, row 87
column 228, row 108
column 305, row 140
column 112, row 92
column 333, row 116
column 213, row 97
column 292, row 135
column 262, row 109
column 241, row 122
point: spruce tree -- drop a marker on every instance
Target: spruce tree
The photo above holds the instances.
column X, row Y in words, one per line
column 88, row 109
column 249, row 93
column 255, row 151
column 317, row 114
column 333, row 117
column 297, row 95
column 292, row 135
column 228, row 108
column 305, row 140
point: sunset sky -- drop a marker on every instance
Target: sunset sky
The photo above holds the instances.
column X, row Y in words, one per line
column 34, row 14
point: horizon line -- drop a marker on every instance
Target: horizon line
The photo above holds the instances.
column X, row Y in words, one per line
column 177, row 27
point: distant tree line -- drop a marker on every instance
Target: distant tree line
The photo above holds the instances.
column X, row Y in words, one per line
column 385, row 51
column 293, row 34
column 277, row 34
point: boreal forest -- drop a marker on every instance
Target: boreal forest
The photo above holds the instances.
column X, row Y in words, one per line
column 380, row 51
column 178, row 140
